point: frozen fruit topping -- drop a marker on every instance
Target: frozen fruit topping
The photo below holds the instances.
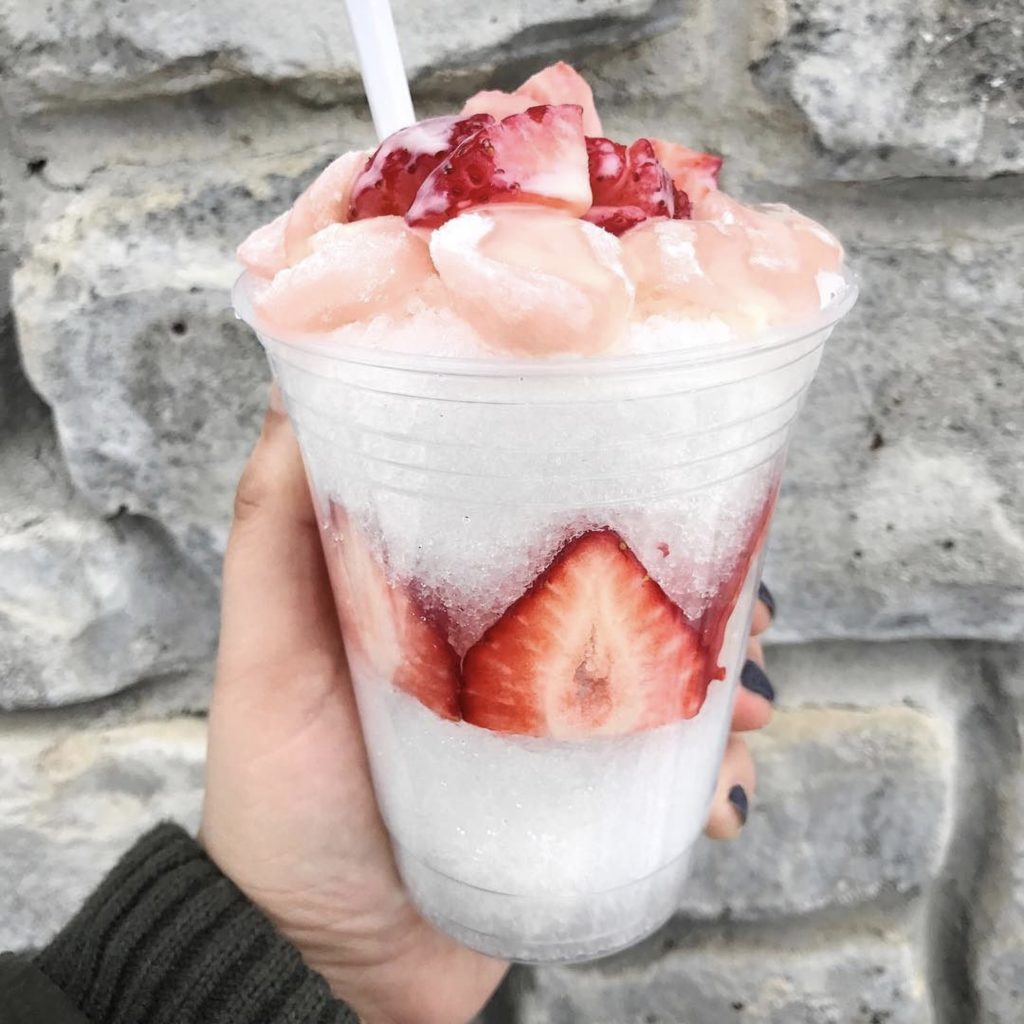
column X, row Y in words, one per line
column 614, row 236
column 354, row 271
column 533, row 280
column 746, row 266
column 536, row 157
column 325, row 202
column 262, row 253
column 594, row 647
column 393, row 175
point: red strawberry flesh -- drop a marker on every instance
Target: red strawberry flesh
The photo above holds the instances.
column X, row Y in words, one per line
column 394, row 173
column 615, row 219
column 715, row 619
column 633, row 176
column 385, row 626
column 594, row 647
column 684, row 208
column 538, row 157
column 631, row 181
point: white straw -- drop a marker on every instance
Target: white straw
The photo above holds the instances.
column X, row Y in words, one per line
column 380, row 61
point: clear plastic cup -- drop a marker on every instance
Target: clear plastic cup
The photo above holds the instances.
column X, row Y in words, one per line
column 445, row 487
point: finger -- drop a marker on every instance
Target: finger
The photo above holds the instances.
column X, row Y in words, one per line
column 755, row 651
column 733, row 793
column 755, row 696
column 277, row 621
column 762, row 617
column 750, row 711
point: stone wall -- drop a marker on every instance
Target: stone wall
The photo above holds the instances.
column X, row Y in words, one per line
column 881, row 876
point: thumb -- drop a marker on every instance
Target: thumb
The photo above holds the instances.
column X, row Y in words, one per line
column 277, row 618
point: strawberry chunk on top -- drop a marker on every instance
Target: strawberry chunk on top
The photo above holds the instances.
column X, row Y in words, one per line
column 629, row 185
column 615, row 219
column 594, row 647
column 393, row 174
column 536, row 157
column 385, row 627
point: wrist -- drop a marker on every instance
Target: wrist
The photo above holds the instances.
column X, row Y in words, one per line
column 375, row 952
column 402, row 979
column 183, row 936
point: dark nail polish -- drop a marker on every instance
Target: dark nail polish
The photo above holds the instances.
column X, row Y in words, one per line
column 738, row 798
column 753, row 677
column 766, row 595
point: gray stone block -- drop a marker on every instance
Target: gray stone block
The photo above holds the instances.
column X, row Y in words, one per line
column 82, row 51
column 187, row 138
column 72, row 802
column 929, row 676
column 693, row 84
column 12, row 381
column 901, row 512
column 771, row 976
column 851, row 806
column 125, row 329
column 998, row 922
column 88, row 605
column 891, row 89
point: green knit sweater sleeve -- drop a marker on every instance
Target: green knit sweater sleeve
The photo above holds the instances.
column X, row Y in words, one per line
column 168, row 939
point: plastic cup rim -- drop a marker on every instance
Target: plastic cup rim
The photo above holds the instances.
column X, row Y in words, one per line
column 554, row 366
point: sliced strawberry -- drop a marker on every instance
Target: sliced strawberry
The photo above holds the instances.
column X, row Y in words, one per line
column 593, row 647
column 558, row 83
column 715, row 620
column 606, row 164
column 392, row 176
column 385, row 626
column 535, row 157
column 693, row 172
column 615, row 219
column 430, row 669
column 684, row 208
column 631, row 181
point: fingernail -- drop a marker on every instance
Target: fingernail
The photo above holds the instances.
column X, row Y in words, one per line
column 738, row 798
column 276, row 402
column 753, row 677
column 766, row 595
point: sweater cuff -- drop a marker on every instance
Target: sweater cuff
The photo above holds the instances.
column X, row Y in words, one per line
column 168, row 939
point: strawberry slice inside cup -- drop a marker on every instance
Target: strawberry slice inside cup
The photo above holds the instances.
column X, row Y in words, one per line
column 385, row 628
column 594, row 647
